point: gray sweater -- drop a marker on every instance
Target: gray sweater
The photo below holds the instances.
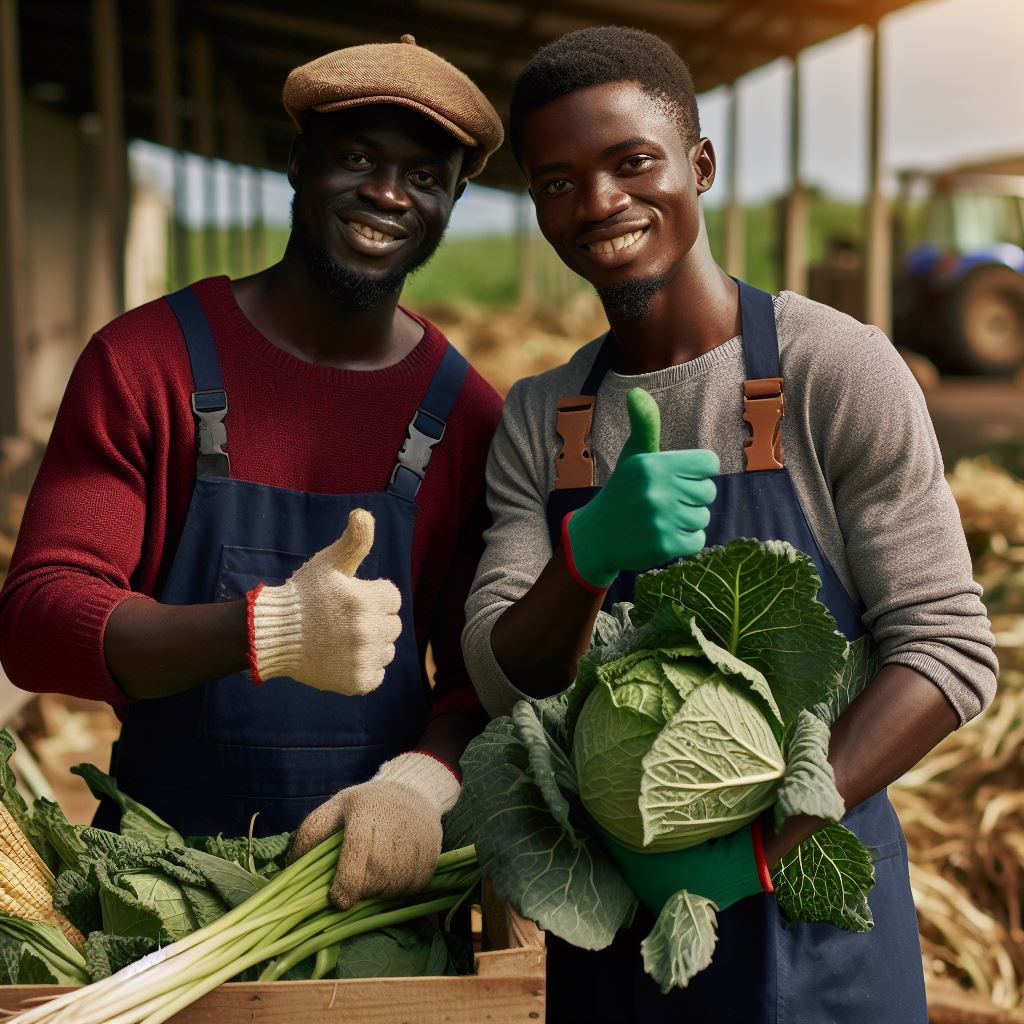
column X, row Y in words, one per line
column 862, row 454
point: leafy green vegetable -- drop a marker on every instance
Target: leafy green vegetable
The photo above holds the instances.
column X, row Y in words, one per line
column 827, row 878
column 712, row 769
column 108, row 954
column 688, row 718
column 681, row 942
column 37, row 953
column 559, row 876
column 758, row 600
column 137, row 821
column 406, row 951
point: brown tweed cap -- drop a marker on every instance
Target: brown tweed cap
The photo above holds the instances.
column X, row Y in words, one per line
column 401, row 73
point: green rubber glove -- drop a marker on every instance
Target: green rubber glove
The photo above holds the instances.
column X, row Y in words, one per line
column 652, row 510
column 723, row 870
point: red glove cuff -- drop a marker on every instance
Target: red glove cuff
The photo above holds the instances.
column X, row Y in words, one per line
column 570, row 562
column 250, row 612
column 763, row 873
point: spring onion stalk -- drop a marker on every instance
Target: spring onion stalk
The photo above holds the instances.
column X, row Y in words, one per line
column 287, row 921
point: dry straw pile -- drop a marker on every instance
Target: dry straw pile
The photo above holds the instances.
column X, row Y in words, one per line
column 963, row 807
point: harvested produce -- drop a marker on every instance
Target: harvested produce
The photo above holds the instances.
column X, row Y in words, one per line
column 168, row 917
column 287, row 921
column 696, row 709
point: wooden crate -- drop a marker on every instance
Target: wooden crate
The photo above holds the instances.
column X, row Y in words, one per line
column 508, row 987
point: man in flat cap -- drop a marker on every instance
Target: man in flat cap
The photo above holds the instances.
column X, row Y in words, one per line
column 180, row 555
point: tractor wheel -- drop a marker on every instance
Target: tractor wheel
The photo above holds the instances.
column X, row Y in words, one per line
column 985, row 321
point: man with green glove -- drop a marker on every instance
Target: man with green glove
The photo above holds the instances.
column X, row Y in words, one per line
column 823, row 441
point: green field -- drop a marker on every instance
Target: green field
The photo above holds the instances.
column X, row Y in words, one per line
column 486, row 271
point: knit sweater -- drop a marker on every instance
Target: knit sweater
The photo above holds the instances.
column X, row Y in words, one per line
column 107, row 509
column 862, row 454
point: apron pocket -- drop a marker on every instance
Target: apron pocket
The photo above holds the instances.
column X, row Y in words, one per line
column 281, row 712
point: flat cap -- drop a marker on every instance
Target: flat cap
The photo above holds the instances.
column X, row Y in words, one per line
column 402, row 73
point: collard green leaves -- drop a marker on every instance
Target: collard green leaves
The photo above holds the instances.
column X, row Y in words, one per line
column 810, row 785
column 681, row 942
column 137, row 821
column 107, row 954
column 758, row 600
column 560, row 878
column 37, row 953
column 859, row 669
column 827, row 879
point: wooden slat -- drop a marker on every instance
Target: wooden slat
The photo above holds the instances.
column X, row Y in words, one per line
column 508, row 987
column 465, row 1000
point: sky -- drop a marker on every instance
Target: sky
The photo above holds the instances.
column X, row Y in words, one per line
column 951, row 93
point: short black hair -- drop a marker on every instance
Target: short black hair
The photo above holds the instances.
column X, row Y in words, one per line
column 597, row 56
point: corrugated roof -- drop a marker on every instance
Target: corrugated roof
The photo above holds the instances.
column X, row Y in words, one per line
column 255, row 43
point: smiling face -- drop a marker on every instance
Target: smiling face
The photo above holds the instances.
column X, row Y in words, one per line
column 615, row 187
column 374, row 188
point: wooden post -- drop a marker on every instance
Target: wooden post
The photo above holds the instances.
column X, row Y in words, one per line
column 113, row 176
column 203, row 144
column 13, row 298
column 235, row 135
column 734, row 226
column 168, row 131
column 794, row 271
column 878, row 272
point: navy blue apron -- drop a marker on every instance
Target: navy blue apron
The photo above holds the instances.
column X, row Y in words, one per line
column 209, row 758
column 765, row 970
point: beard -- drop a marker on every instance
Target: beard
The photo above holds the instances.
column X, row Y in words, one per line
column 349, row 288
column 631, row 300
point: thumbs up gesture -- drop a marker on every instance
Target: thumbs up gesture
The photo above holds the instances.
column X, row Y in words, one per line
column 652, row 510
column 323, row 627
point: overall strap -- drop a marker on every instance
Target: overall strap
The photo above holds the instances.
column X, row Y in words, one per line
column 209, row 400
column 574, row 464
column 764, row 400
column 428, row 425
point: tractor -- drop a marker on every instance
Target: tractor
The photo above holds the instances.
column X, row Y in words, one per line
column 959, row 288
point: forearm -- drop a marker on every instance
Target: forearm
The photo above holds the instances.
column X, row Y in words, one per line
column 896, row 721
column 447, row 736
column 538, row 640
column 154, row 650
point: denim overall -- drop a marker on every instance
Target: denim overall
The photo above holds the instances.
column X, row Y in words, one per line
column 209, row 758
column 765, row 970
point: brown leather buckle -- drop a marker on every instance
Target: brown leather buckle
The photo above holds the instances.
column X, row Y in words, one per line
column 764, row 405
column 574, row 464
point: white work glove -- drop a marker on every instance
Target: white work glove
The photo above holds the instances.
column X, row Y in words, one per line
column 323, row 627
column 392, row 829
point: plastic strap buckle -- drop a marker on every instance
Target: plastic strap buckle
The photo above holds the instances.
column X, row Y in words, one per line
column 574, row 464
column 764, row 405
column 416, row 450
column 210, row 408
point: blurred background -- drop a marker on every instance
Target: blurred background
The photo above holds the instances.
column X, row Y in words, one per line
column 871, row 155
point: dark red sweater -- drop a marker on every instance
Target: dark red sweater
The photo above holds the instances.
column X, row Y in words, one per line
column 108, row 506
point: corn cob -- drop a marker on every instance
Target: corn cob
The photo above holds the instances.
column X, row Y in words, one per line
column 26, row 883
column 14, row 843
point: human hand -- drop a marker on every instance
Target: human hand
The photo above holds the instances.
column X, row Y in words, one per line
column 323, row 626
column 652, row 510
column 392, row 829
column 723, row 870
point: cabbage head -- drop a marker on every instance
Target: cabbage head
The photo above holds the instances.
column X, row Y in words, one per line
column 669, row 751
